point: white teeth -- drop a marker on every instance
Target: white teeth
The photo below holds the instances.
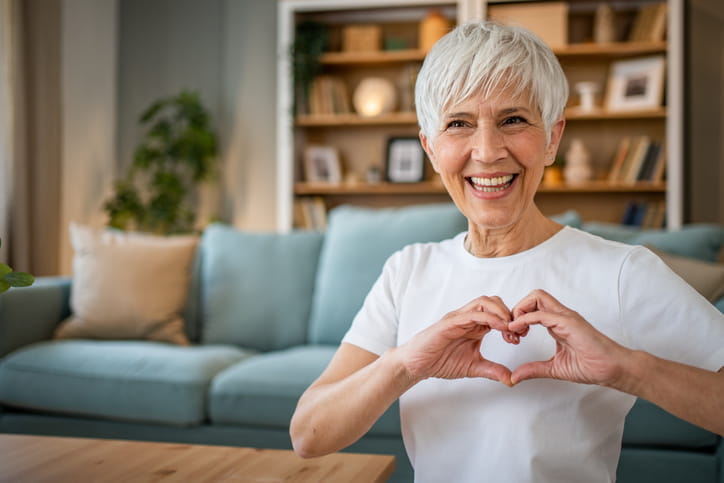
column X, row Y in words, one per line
column 491, row 184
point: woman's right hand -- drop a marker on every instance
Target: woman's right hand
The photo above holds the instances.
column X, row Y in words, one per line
column 450, row 348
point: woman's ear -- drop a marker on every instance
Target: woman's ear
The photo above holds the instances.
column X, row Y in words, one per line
column 555, row 140
column 427, row 146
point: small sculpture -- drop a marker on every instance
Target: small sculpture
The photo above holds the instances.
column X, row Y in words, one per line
column 587, row 92
column 578, row 163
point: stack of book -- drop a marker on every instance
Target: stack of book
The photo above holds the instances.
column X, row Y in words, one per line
column 645, row 214
column 638, row 159
column 328, row 95
column 649, row 24
column 310, row 213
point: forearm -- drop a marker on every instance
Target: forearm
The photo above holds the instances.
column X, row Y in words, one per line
column 692, row 394
column 331, row 416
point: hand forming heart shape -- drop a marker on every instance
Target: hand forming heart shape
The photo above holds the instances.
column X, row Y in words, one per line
column 450, row 349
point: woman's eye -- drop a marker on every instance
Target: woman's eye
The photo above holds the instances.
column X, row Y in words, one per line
column 514, row 120
column 455, row 124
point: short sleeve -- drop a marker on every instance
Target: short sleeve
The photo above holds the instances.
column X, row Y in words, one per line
column 374, row 328
column 665, row 316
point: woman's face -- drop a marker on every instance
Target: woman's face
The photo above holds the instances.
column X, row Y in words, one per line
column 490, row 154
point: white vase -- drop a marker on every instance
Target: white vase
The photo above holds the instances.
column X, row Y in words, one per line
column 578, row 163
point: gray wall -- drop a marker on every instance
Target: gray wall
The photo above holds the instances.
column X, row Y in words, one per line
column 226, row 49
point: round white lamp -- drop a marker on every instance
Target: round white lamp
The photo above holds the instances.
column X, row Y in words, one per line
column 374, row 96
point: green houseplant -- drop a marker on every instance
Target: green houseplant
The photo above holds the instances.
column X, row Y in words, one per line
column 178, row 151
column 10, row 278
column 310, row 42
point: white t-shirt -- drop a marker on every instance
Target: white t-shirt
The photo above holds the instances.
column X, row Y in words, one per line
column 473, row 430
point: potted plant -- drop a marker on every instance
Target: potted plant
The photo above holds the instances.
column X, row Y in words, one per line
column 178, row 151
column 10, row 278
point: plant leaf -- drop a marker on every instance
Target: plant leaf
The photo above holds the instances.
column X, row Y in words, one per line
column 19, row 279
column 4, row 269
column 3, row 285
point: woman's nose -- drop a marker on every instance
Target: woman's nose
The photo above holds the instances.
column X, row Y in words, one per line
column 488, row 145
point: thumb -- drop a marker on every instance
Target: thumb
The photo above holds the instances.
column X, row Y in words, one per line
column 531, row 370
column 491, row 370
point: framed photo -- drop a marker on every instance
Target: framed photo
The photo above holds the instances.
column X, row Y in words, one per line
column 321, row 165
column 636, row 84
column 405, row 160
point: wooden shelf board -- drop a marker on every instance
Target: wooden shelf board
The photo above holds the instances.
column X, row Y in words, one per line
column 368, row 189
column 430, row 187
column 380, row 57
column 405, row 118
column 603, row 187
column 574, row 113
column 613, row 49
column 332, row 120
column 570, row 50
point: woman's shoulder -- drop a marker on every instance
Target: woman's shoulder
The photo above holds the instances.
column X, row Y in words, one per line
column 581, row 246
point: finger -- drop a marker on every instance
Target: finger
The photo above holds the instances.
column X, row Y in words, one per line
column 537, row 300
column 492, row 304
column 488, row 319
column 551, row 321
column 510, row 337
column 492, row 370
column 532, row 370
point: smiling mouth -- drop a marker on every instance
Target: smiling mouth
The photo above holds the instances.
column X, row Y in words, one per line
column 491, row 185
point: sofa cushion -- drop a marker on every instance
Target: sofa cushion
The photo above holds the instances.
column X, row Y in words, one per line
column 126, row 380
column 264, row 390
column 706, row 277
column 128, row 285
column 256, row 288
column 649, row 425
column 356, row 245
column 701, row 241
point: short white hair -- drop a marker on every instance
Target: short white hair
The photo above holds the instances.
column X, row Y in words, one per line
column 482, row 58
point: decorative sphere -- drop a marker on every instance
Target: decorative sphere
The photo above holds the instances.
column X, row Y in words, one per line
column 374, row 96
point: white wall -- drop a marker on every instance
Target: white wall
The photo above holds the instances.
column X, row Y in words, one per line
column 89, row 81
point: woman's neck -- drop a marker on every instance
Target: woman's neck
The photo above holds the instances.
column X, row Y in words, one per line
column 485, row 242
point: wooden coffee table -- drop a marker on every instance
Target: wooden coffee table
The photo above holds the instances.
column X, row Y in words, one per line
column 58, row 460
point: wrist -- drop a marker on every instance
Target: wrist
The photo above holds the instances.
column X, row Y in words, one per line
column 633, row 367
column 403, row 376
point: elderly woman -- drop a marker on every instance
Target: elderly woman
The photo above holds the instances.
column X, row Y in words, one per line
column 587, row 325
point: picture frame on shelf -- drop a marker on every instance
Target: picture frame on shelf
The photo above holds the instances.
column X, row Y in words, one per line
column 636, row 84
column 405, row 160
column 321, row 165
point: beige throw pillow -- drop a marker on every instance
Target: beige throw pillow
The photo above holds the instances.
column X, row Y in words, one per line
column 706, row 277
column 128, row 285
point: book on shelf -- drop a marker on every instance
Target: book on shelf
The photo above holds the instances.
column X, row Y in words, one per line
column 650, row 23
column 644, row 214
column 638, row 158
column 310, row 213
column 328, row 95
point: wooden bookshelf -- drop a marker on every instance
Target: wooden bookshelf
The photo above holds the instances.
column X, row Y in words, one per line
column 434, row 187
column 361, row 141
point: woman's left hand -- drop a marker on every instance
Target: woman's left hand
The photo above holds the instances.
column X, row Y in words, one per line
column 583, row 354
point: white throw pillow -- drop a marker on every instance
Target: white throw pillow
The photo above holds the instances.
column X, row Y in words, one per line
column 128, row 285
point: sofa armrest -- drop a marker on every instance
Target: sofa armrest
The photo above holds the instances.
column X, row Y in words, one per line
column 30, row 314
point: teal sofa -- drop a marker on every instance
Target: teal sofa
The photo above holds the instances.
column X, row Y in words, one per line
column 265, row 313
